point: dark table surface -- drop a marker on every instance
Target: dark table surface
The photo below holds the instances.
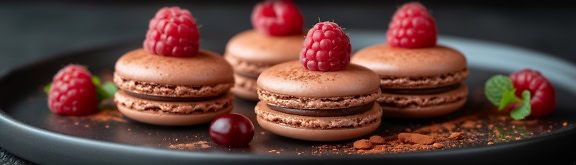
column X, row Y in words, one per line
column 32, row 31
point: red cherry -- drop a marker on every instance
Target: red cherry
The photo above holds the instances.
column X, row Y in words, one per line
column 233, row 130
column 542, row 93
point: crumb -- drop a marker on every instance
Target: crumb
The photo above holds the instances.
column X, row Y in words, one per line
column 478, row 126
column 469, row 124
column 262, row 133
column 564, row 124
column 490, row 126
column 190, row 146
column 416, row 138
column 107, row 126
column 518, row 138
column 438, row 145
column 449, row 126
column 363, row 144
column 377, row 140
column 456, row 136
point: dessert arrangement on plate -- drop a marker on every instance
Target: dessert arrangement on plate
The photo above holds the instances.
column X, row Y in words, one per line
column 306, row 85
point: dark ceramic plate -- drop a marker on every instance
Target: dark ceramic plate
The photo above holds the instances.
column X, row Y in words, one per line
column 30, row 131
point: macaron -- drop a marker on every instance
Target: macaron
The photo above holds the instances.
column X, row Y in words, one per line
column 417, row 83
column 318, row 106
column 165, row 90
column 251, row 52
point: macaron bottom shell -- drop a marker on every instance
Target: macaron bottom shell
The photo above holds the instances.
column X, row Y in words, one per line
column 427, row 106
column 301, row 129
column 205, row 111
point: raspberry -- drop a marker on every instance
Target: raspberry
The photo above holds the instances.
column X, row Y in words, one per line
column 277, row 18
column 172, row 32
column 543, row 95
column 72, row 92
column 326, row 48
column 412, row 27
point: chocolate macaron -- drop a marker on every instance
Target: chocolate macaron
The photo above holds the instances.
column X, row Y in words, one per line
column 321, row 97
column 171, row 90
column 275, row 39
column 318, row 106
column 417, row 83
column 251, row 52
column 419, row 79
column 171, row 81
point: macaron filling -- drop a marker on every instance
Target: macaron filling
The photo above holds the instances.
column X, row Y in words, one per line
column 247, row 75
column 324, row 113
column 173, row 99
column 421, row 91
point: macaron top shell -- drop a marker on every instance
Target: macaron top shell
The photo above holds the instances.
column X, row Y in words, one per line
column 256, row 47
column 291, row 78
column 402, row 62
column 207, row 68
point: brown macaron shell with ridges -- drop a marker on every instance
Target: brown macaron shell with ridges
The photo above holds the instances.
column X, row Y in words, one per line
column 165, row 90
column 291, row 86
column 414, row 70
column 251, row 52
column 318, row 128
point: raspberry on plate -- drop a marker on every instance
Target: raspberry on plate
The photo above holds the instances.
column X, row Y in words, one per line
column 73, row 92
column 277, row 18
column 412, row 27
column 543, row 95
column 326, row 48
column 172, row 32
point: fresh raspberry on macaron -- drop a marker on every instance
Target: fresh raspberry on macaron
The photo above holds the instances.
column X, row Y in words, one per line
column 172, row 32
column 412, row 27
column 277, row 18
column 72, row 92
column 326, row 48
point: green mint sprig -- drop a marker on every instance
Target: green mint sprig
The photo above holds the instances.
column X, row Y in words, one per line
column 104, row 91
column 500, row 91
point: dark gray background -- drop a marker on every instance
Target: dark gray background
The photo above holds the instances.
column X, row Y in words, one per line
column 32, row 30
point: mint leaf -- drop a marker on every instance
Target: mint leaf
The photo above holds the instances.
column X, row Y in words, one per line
column 508, row 97
column 523, row 111
column 495, row 88
column 96, row 81
column 47, row 88
column 109, row 89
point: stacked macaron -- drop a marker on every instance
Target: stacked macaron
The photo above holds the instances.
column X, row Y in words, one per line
column 321, row 97
column 418, row 78
column 277, row 38
column 171, row 81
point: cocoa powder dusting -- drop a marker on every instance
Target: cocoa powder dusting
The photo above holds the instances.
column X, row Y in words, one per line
column 106, row 116
column 467, row 131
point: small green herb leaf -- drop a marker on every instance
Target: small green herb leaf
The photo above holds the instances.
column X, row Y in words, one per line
column 47, row 88
column 96, row 81
column 508, row 97
column 523, row 111
column 496, row 87
column 109, row 89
